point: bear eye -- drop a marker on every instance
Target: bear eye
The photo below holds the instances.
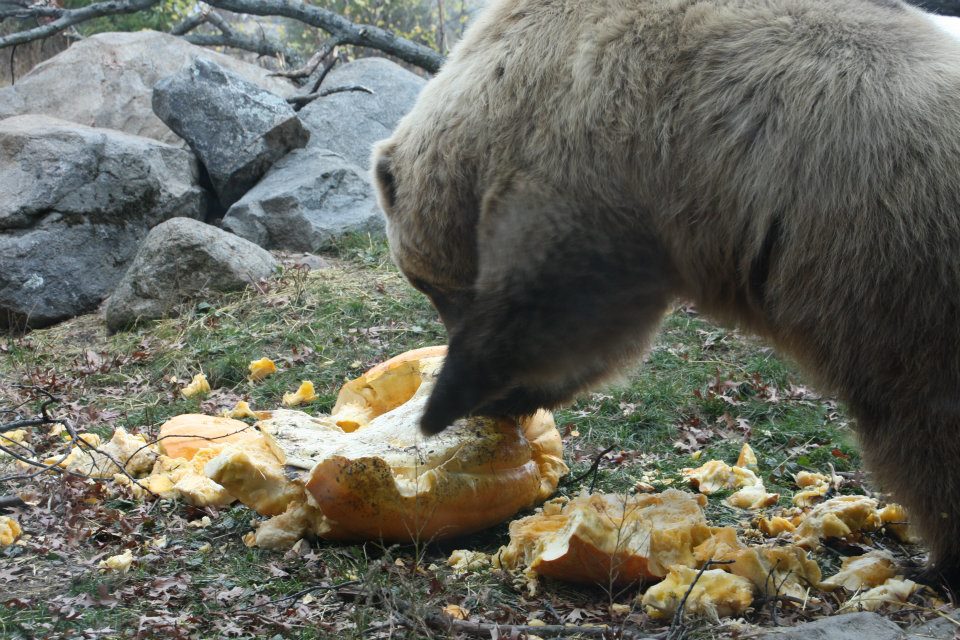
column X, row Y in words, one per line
column 386, row 181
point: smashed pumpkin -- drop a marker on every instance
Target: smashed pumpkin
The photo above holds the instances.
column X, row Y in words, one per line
column 608, row 538
column 366, row 471
column 182, row 436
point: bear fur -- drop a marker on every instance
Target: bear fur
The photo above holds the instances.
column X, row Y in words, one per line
column 790, row 166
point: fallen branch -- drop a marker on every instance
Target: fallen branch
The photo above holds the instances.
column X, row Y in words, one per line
column 65, row 18
column 308, row 69
column 336, row 25
column 11, row 502
column 300, row 101
column 299, row 594
column 443, row 622
column 451, row 625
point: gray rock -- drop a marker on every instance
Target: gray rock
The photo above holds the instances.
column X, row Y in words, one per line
column 75, row 203
column 936, row 629
column 179, row 259
column 308, row 200
column 349, row 123
column 236, row 129
column 106, row 81
column 850, row 626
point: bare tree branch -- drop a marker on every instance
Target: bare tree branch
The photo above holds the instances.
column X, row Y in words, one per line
column 301, row 100
column 65, row 18
column 308, row 69
column 336, row 25
column 191, row 22
column 229, row 37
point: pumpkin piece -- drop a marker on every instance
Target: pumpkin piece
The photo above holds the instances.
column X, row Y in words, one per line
column 837, row 518
column 747, row 458
column 715, row 475
column 18, row 436
column 464, row 560
column 119, row 563
column 755, row 497
column 282, row 531
column 772, row 527
column 387, row 385
column 896, row 520
column 9, row 531
column 304, row 394
column 182, row 436
column 604, row 538
column 456, row 612
column 721, row 544
column 197, row 386
column 254, row 472
column 892, row 594
column 864, row 572
column 179, row 478
column 101, row 461
column 201, row 491
column 715, row 594
column 811, row 496
column 784, row 570
column 242, row 410
column 810, row 479
column 91, row 439
column 776, row 570
column 260, row 369
column 815, row 487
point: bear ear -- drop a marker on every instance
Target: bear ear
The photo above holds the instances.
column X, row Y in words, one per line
column 384, row 178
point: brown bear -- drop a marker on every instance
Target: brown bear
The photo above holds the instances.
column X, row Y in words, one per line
column 791, row 166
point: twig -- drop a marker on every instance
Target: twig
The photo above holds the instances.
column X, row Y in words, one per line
column 448, row 624
column 74, row 442
column 65, row 17
column 300, row 594
column 20, row 424
column 307, row 70
column 310, row 97
column 678, row 629
column 593, row 469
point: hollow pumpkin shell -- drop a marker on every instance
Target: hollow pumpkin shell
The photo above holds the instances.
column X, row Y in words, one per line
column 373, row 475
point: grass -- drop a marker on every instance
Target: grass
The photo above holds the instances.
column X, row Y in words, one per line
column 701, row 388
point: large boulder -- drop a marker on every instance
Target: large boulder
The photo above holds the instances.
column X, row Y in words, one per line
column 179, row 259
column 106, row 81
column 350, row 122
column 308, row 200
column 236, row 129
column 850, row 626
column 75, row 203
